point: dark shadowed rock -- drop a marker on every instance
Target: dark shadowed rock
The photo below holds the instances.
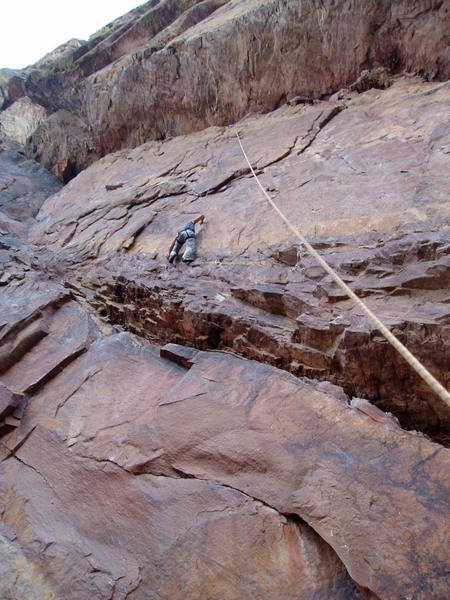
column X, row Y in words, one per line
column 11, row 409
column 24, row 184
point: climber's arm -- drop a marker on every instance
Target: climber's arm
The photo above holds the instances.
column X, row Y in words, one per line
column 199, row 219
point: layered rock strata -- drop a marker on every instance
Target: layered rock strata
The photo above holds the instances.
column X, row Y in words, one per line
column 195, row 474
column 370, row 195
column 159, row 70
column 301, row 323
column 82, row 519
column 135, row 467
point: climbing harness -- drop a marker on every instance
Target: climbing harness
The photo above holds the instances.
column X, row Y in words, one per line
column 403, row 351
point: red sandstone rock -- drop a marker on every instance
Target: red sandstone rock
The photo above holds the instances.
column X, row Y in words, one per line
column 8, row 402
column 96, row 525
column 127, row 475
column 177, row 67
column 303, row 452
column 131, row 468
column 342, row 182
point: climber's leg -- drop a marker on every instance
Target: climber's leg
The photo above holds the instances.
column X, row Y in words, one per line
column 181, row 238
column 189, row 253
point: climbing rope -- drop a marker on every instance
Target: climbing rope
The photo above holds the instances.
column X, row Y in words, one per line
column 410, row 358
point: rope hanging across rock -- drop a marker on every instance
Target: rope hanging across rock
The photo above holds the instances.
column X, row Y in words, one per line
column 410, row 358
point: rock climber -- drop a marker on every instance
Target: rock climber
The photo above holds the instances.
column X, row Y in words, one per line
column 185, row 235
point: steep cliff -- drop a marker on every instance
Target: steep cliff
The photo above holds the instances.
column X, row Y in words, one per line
column 171, row 67
column 379, row 191
column 234, row 428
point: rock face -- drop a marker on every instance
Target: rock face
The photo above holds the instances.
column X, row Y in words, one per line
column 96, row 522
column 134, row 474
column 24, row 184
column 379, row 205
column 233, row 428
column 21, row 119
column 266, row 434
column 11, row 408
column 169, row 56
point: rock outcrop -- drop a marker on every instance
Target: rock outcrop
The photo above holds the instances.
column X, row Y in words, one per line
column 134, row 474
column 233, row 428
column 98, row 526
column 377, row 217
column 170, row 68
column 21, row 119
column 24, row 184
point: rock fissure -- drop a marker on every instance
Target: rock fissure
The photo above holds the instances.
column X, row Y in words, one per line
column 12, row 451
column 303, row 349
column 89, row 375
column 270, row 455
column 183, row 474
column 36, row 385
column 29, row 466
column 315, row 130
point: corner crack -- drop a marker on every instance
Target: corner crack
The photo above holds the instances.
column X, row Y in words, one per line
column 316, row 130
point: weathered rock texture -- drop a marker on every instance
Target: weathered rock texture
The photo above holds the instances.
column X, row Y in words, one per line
column 303, row 451
column 371, row 194
column 131, row 474
column 171, row 67
column 21, row 119
column 24, row 184
column 143, row 455
column 76, row 501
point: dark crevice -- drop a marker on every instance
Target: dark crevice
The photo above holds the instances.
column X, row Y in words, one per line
column 315, row 130
column 217, row 332
column 16, row 447
column 181, row 474
column 272, row 335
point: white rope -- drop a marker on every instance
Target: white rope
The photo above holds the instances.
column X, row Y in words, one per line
column 410, row 358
